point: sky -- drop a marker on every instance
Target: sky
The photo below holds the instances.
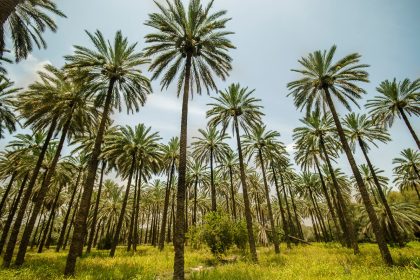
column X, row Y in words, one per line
column 270, row 36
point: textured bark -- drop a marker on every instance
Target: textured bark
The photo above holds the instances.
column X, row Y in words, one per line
column 166, row 206
column 82, row 213
column 377, row 229
column 248, row 215
column 270, row 211
column 123, row 207
column 179, row 234
column 25, row 200
column 95, row 210
column 20, row 258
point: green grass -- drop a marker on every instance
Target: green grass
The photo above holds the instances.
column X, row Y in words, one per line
column 317, row 261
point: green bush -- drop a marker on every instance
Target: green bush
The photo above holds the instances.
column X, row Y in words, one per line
column 195, row 236
column 240, row 235
column 105, row 243
column 218, row 232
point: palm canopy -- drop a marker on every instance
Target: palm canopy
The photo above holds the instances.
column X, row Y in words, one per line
column 113, row 65
column 170, row 152
column 210, row 141
column 361, row 128
column 321, row 74
column 128, row 144
column 57, row 94
column 193, row 35
column 7, row 106
column 407, row 169
column 26, row 22
column 235, row 102
column 395, row 98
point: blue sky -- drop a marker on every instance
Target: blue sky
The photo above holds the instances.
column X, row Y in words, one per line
column 270, row 36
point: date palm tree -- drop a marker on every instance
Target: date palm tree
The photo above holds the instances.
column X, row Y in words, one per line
column 8, row 118
column 190, row 43
column 260, row 142
column 362, row 130
column 210, row 146
column 396, row 99
column 27, row 20
column 236, row 106
column 170, row 157
column 114, row 68
column 127, row 148
column 407, row 170
column 321, row 81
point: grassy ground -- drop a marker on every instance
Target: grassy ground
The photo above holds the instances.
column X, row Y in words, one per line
column 317, row 261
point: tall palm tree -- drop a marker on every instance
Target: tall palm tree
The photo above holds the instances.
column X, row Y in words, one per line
column 75, row 112
column 260, row 142
column 126, row 149
column 7, row 107
column 321, row 81
column 407, row 170
column 237, row 107
column 190, row 43
column 114, row 68
column 27, row 20
column 317, row 140
column 396, row 99
column 170, row 160
column 362, row 130
column 210, row 146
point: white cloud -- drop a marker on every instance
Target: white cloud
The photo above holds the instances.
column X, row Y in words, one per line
column 172, row 104
column 26, row 72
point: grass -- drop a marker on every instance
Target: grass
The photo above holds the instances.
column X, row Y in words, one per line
column 317, row 261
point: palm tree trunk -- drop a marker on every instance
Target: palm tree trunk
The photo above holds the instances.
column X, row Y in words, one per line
column 248, row 215
column 40, row 225
column 95, row 211
column 72, row 220
column 319, row 216
column 347, row 224
column 50, row 220
column 195, row 201
column 166, row 206
column 82, row 214
column 284, row 222
column 393, row 224
column 20, row 258
column 410, row 128
column 327, row 197
column 66, row 217
column 232, row 193
column 270, row 211
column 25, row 200
column 179, row 233
column 136, row 217
column 314, row 226
column 6, row 192
column 124, row 205
column 377, row 229
column 187, row 198
column 289, row 216
column 130, row 239
column 12, row 212
column 297, row 220
column 212, row 187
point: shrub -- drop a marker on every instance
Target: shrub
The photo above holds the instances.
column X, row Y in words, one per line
column 105, row 243
column 218, row 232
column 240, row 235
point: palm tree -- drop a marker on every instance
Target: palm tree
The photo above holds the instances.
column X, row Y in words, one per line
column 75, row 112
column 321, row 80
column 126, row 149
column 114, row 68
column 397, row 99
column 260, row 142
column 230, row 162
column 190, row 42
column 7, row 106
column 170, row 160
column 317, row 140
column 237, row 107
column 210, row 147
column 361, row 130
column 197, row 175
column 407, row 170
column 27, row 20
